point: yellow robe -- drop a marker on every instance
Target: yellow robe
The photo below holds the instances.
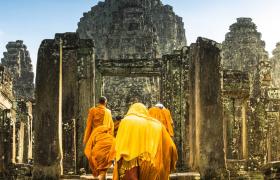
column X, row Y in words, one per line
column 98, row 139
column 143, row 141
column 164, row 116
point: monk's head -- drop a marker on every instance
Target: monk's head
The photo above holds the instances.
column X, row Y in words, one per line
column 138, row 109
column 159, row 105
column 103, row 100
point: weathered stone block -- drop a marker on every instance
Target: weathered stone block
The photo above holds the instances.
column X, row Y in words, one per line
column 206, row 123
column 78, row 73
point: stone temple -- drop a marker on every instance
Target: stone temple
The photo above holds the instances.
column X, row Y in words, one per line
column 224, row 98
column 128, row 29
column 16, row 118
column 132, row 30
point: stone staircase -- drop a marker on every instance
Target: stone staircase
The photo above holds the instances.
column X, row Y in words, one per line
column 174, row 176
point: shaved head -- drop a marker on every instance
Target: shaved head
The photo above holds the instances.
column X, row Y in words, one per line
column 102, row 100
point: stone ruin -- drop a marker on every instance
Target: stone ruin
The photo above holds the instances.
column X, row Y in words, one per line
column 16, row 125
column 132, row 30
column 125, row 29
column 224, row 98
column 275, row 65
column 18, row 61
column 251, row 102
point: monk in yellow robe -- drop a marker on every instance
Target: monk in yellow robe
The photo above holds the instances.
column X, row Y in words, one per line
column 99, row 139
column 162, row 114
column 144, row 149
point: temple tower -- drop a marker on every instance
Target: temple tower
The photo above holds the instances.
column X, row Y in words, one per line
column 132, row 29
column 18, row 61
column 243, row 53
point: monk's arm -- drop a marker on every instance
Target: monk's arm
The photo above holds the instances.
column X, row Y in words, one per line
column 172, row 150
column 112, row 125
column 88, row 127
column 170, row 118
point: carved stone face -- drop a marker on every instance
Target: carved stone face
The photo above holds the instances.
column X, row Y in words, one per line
column 133, row 18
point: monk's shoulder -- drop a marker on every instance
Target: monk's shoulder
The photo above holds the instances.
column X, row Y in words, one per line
column 155, row 121
column 95, row 110
column 153, row 108
column 92, row 109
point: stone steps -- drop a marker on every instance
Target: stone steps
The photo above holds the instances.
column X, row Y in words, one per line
column 247, row 176
column 174, row 176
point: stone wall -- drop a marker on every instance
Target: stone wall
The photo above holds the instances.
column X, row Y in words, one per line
column 175, row 96
column 275, row 64
column 7, row 123
column 120, row 94
column 124, row 81
column 132, row 29
column 17, row 60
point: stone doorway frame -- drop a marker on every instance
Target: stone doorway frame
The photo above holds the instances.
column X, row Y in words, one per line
column 172, row 71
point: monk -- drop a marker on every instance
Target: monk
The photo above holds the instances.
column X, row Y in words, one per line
column 162, row 114
column 144, row 149
column 99, row 139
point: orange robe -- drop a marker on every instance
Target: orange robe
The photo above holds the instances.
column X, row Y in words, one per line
column 98, row 139
column 144, row 143
column 164, row 116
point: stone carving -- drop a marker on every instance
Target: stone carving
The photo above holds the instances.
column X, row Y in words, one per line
column 275, row 64
column 132, row 29
column 17, row 60
column 243, row 48
column 120, row 94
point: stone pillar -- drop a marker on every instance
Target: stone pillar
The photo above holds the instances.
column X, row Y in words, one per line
column 174, row 95
column 7, row 142
column 47, row 156
column 77, row 97
column 86, row 94
column 206, row 123
column 23, row 132
column 244, row 129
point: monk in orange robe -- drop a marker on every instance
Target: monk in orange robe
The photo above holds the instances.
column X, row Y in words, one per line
column 99, row 139
column 162, row 114
column 144, row 149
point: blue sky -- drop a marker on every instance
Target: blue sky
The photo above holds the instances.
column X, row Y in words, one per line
column 35, row 20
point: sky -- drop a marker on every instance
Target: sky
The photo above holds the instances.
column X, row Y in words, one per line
column 35, row 20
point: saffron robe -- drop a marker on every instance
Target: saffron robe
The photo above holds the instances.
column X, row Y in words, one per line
column 164, row 116
column 143, row 142
column 98, row 139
